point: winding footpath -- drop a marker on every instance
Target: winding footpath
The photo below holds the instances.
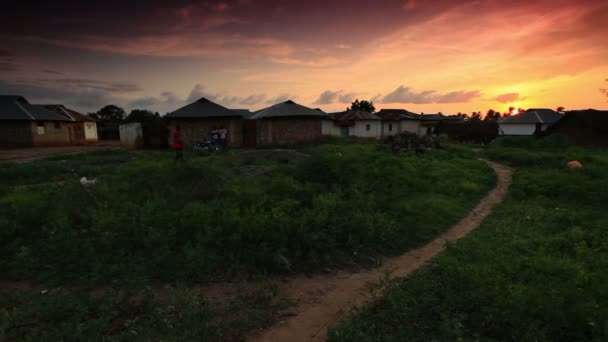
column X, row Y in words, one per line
column 322, row 301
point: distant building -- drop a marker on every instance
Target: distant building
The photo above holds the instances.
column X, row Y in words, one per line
column 395, row 121
column 84, row 127
column 353, row 123
column 23, row 124
column 583, row 127
column 199, row 118
column 430, row 122
column 532, row 121
column 288, row 123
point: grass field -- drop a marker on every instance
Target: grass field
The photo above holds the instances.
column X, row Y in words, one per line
column 534, row 271
column 150, row 222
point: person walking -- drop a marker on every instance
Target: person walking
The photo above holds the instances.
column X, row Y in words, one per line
column 178, row 144
column 223, row 135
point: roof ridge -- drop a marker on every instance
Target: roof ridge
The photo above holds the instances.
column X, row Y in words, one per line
column 67, row 113
column 25, row 110
column 538, row 117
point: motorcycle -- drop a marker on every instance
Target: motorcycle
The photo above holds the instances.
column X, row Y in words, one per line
column 209, row 146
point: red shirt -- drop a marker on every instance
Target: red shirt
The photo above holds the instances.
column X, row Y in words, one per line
column 177, row 141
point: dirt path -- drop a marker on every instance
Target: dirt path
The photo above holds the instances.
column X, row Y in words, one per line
column 321, row 301
column 22, row 155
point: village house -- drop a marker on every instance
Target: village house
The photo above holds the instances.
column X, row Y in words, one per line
column 84, row 127
column 287, row 123
column 353, row 123
column 430, row 122
column 395, row 121
column 23, row 124
column 583, row 127
column 199, row 118
column 531, row 122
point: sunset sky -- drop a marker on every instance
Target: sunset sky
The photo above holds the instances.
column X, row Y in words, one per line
column 424, row 56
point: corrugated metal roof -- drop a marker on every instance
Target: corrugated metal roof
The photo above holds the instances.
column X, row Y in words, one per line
column 397, row 114
column 354, row 115
column 202, row 108
column 14, row 107
column 288, row 109
column 533, row 116
column 67, row 112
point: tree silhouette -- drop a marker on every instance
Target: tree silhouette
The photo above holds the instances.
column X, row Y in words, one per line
column 560, row 109
column 111, row 113
column 364, row 105
column 604, row 90
column 475, row 116
column 142, row 115
column 491, row 115
column 462, row 116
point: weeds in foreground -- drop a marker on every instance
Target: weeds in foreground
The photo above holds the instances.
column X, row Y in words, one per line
column 534, row 270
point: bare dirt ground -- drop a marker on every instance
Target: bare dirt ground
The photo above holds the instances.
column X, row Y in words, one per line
column 321, row 301
column 22, row 155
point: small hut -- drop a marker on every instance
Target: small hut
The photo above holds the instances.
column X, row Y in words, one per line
column 288, row 123
column 199, row 118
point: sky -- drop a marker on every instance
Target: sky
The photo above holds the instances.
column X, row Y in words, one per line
column 424, row 56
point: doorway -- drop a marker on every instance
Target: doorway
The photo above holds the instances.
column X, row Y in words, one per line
column 343, row 131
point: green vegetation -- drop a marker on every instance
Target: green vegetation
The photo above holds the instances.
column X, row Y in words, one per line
column 534, row 271
column 124, row 314
column 152, row 219
column 149, row 222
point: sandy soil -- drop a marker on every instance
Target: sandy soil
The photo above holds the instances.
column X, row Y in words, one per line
column 22, row 155
column 321, row 301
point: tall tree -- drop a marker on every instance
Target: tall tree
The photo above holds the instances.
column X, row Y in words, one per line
column 111, row 113
column 462, row 116
column 142, row 115
column 365, row 105
column 492, row 115
column 475, row 116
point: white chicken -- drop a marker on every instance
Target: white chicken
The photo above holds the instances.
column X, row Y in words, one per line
column 88, row 182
